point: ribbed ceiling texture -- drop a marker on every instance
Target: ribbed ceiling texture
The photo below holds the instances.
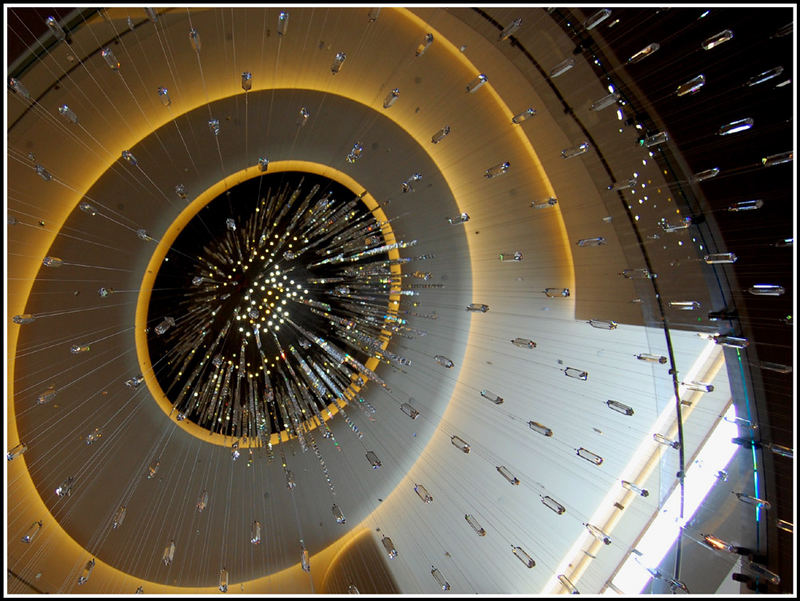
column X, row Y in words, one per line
column 399, row 300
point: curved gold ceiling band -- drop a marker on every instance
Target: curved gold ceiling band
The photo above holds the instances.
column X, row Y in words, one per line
column 166, row 242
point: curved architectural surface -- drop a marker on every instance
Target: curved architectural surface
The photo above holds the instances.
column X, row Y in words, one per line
column 565, row 340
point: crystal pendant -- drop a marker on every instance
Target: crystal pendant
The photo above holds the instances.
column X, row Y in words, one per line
column 68, row 113
column 151, row 14
column 475, row 525
column 692, row 86
column 19, row 87
column 550, row 202
column 373, row 14
column 165, row 325
column 424, row 44
column 602, row 324
column 43, row 173
column 111, row 60
column 202, row 501
column 562, row 67
column 554, row 505
column 194, row 40
column 476, row 83
column 633, row 488
column 389, row 546
column 497, row 400
column 685, row 305
column 337, row 62
column 94, row 436
column 128, row 156
column 605, row 101
column 661, row 439
column 556, row 292
column 651, row 358
column 16, row 451
column 655, row 139
column 440, row 135
column 87, row 572
column 620, row 407
column 391, row 98
column 777, row 159
column 463, row 218
column 589, row 456
column 498, row 169
column 720, row 258
column 180, row 190
column 302, row 117
column 338, row 515
column 735, row 127
column 746, row 205
column 169, row 553
column 523, row 116
column 459, row 443
column 440, row 580
column 134, row 382
column 352, row 589
column 581, row 148
column 537, row 427
column 31, row 533
column 732, row 341
column 567, row 584
column 716, row 40
column 247, row 81
column 523, row 343
column 213, row 126
column 630, row 183
column 409, row 411
column 422, row 492
column 65, row 488
column 644, row 53
column 152, row 470
column 578, row 374
column 509, row 29
column 750, row 500
column 507, row 475
column 477, row 307
column 596, row 19
column 766, row 290
column 698, row 386
column 764, row 76
column 599, row 241
column 119, row 517
column 255, row 533
column 52, row 262
column 223, row 580
column 355, row 153
column 304, row 563
column 707, row 174
column 163, row 96
column 763, row 571
column 283, row 22
column 443, row 361
column 46, row 396
column 598, row 534
column 373, row 460
column 516, row 256
column 776, row 367
column 523, row 557
column 23, row 319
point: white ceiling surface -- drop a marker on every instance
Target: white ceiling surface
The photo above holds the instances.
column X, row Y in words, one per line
column 529, row 380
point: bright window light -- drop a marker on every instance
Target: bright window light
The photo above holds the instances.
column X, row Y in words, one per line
column 663, row 531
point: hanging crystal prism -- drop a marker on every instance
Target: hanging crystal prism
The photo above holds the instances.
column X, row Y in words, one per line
column 598, row 534
column 651, row 358
column 165, row 325
column 152, row 470
column 785, row 526
column 134, row 382
column 111, row 60
column 31, row 533
column 247, row 81
column 602, row 324
column 440, row 580
column 655, row 139
column 68, row 113
column 255, row 533
column 692, row 86
column 597, row 18
column 443, row 361
column 633, row 488
column 475, row 525
column 498, row 169
column 599, row 241
column 776, row 367
column 685, row 305
column 169, row 553
column 16, row 451
column 524, row 115
column 779, row 449
column 720, row 258
column 439, row 135
column 509, row 29
column 128, row 156
column 731, row 341
column 750, row 500
column 213, row 126
column 338, row 515
column 562, row 67
column 554, row 505
column 766, row 290
column 735, row 127
column 194, row 40
column 52, row 262
column 56, row 28
column 409, row 411
column 698, row 386
column 550, row 202
column 93, row 436
column 202, row 501
column 589, row 456
column 104, row 292
column 23, row 319
column 180, row 190
column 605, row 101
column 463, row 218
column 283, row 22
column 422, row 492
column 389, row 546
column 302, row 117
column 537, row 427
column 19, row 87
column 497, row 400
column 223, row 580
column 644, row 53
column 746, row 205
column 337, row 62
column 163, row 96
column 65, row 488
column 620, row 407
column 477, row 307
column 629, row 183
column 119, row 517
column 304, row 563
column 764, row 572
column 581, row 148
column 661, row 439
column 476, row 83
column 576, row 373
column 507, row 475
column 87, row 572
column 373, row 460
column 524, row 343
column 391, row 98
column 516, row 256
column 716, row 40
column 46, row 396
column 459, row 443
column 707, row 174
column 424, row 44
column 777, row 159
column 765, row 76
column 355, row 153
column 373, row 14
column 352, row 589
column 637, row 274
column 43, row 173
column 567, row 584
column 523, row 557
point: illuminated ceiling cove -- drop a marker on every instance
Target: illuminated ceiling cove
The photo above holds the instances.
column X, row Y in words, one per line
column 384, row 300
